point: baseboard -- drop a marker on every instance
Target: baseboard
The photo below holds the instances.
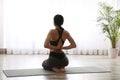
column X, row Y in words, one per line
column 3, row 50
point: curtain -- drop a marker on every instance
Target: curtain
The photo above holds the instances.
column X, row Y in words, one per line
column 27, row 23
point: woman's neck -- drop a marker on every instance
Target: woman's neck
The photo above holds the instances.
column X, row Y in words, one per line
column 57, row 27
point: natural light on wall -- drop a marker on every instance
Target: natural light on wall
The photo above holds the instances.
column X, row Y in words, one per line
column 27, row 23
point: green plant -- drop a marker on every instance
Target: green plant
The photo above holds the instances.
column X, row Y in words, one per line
column 109, row 20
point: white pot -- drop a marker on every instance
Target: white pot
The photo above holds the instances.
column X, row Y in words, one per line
column 113, row 52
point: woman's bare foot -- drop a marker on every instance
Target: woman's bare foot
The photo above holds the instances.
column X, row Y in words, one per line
column 61, row 70
column 56, row 70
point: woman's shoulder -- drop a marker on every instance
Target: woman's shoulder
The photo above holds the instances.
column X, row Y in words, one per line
column 54, row 31
column 66, row 32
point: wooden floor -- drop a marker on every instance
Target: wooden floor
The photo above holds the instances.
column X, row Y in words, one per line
column 34, row 61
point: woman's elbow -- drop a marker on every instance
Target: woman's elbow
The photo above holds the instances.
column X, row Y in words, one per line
column 74, row 46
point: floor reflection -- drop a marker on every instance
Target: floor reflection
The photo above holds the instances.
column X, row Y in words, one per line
column 56, row 77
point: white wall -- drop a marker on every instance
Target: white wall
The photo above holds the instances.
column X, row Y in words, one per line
column 118, row 4
column 1, row 25
column 34, row 18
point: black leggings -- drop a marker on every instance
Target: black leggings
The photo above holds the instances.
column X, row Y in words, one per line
column 58, row 60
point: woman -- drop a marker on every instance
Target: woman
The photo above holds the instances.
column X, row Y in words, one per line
column 55, row 40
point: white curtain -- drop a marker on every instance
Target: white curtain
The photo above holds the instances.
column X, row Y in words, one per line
column 27, row 23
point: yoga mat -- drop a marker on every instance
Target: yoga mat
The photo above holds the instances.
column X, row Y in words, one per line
column 40, row 71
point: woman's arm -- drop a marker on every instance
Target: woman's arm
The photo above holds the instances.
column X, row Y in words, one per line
column 72, row 43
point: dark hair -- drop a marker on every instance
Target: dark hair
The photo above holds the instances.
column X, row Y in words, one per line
column 58, row 20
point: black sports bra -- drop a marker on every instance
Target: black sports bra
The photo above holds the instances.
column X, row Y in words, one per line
column 55, row 43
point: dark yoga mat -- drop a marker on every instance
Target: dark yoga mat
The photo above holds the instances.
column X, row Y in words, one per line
column 40, row 71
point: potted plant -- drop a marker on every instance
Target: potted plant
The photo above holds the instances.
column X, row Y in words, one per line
column 109, row 20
